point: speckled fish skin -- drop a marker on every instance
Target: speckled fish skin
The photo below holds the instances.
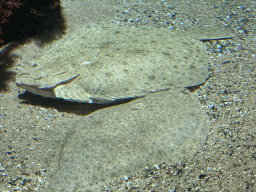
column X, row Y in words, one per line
column 102, row 63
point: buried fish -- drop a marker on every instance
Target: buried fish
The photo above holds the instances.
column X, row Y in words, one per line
column 102, row 63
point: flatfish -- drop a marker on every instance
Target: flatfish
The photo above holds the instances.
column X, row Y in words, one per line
column 105, row 62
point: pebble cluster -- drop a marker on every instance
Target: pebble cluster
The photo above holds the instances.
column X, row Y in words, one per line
column 159, row 14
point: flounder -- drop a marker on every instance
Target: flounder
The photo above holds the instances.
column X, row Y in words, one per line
column 102, row 63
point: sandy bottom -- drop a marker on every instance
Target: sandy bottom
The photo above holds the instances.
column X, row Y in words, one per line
column 227, row 160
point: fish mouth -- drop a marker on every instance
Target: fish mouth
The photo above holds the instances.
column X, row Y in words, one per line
column 44, row 91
